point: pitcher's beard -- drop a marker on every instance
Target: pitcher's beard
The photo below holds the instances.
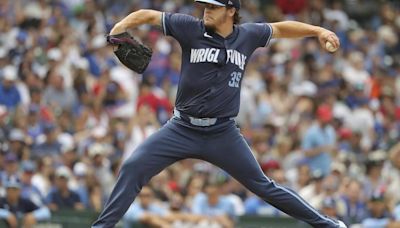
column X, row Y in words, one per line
column 210, row 28
column 213, row 27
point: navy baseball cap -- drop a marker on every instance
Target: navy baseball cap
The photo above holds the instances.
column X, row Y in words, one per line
column 231, row 3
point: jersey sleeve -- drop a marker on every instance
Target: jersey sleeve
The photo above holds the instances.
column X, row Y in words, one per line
column 261, row 33
column 180, row 26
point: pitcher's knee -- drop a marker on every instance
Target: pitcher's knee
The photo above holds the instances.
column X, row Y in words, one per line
column 261, row 187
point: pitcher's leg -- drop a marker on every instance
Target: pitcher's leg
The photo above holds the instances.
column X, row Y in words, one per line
column 159, row 151
column 231, row 153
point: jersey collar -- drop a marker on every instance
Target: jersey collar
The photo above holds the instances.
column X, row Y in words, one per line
column 233, row 35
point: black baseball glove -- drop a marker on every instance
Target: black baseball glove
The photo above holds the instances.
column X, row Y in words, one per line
column 130, row 52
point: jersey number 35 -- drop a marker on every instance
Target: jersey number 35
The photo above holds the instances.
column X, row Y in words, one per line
column 235, row 79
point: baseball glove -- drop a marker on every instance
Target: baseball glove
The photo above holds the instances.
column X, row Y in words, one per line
column 130, row 52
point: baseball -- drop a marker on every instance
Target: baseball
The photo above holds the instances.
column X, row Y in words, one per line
column 329, row 46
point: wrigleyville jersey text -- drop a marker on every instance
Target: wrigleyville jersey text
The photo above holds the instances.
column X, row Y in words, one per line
column 212, row 66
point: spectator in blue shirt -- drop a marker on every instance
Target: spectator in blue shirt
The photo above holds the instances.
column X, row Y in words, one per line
column 14, row 207
column 28, row 190
column 378, row 215
column 9, row 94
column 354, row 208
column 61, row 197
column 17, row 143
column 146, row 211
column 319, row 140
column 50, row 147
column 329, row 207
column 215, row 206
column 11, row 166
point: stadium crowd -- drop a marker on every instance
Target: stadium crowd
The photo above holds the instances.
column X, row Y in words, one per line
column 326, row 125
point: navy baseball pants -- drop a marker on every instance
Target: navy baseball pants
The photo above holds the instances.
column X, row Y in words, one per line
column 221, row 145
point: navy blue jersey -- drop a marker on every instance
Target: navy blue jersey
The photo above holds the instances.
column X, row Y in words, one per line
column 212, row 66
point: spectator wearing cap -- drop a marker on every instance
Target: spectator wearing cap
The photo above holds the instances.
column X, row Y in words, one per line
column 319, row 141
column 61, row 196
column 378, row 214
column 373, row 180
column 329, row 207
column 10, row 167
column 28, row 190
column 51, row 146
column 14, row 207
column 9, row 94
column 68, row 154
column 88, row 187
column 353, row 207
column 102, row 167
column 34, row 129
column 270, row 166
column 17, row 139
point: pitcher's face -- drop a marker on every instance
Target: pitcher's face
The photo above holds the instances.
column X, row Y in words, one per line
column 214, row 16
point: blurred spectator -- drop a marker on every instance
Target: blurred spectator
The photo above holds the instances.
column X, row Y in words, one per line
column 158, row 104
column 17, row 146
column 14, row 207
column 319, row 141
column 180, row 216
column 56, row 95
column 378, row 214
column 50, row 145
column 373, row 181
column 329, row 208
column 102, row 167
column 88, row 187
column 61, row 197
column 313, row 192
column 145, row 210
column 41, row 179
column 391, row 173
column 28, row 190
column 9, row 94
column 353, row 206
column 10, row 168
column 194, row 187
column 140, row 126
column 214, row 205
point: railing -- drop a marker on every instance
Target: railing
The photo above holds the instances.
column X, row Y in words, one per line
column 83, row 219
